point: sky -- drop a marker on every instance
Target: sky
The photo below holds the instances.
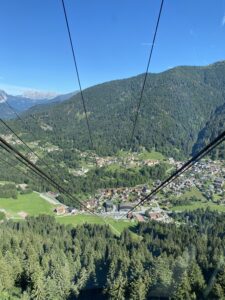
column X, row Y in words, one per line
column 112, row 40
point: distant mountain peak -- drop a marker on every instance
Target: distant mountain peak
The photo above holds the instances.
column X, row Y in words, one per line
column 38, row 95
column 30, row 98
column 3, row 96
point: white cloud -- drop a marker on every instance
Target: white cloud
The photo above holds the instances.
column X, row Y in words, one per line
column 223, row 21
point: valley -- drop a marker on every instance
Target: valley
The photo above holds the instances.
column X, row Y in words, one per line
column 112, row 150
column 180, row 230
column 125, row 179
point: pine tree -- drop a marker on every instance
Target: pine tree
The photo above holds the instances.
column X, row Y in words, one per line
column 80, row 281
column 162, row 277
column 196, row 279
column 6, row 277
column 184, row 289
column 116, row 288
column 138, row 289
column 217, row 292
column 51, row 289
column 38, row 286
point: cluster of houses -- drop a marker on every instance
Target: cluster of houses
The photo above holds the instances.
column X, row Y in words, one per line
column 108, row 207
column 208, row 176
column 126, row 161
column 122, row 194
column 158, row 215
column 63, row 209
column 80, row 172
column 121, row 211
column 11, row 139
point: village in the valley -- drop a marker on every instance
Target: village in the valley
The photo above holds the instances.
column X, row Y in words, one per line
column 204, row 182
column 207, row 177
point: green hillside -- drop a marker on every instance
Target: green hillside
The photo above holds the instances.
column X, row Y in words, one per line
column 176, row 106
column 214, row 126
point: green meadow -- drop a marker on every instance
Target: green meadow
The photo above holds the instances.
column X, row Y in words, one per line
column 31, row 204
column 199, row 204
column 154, row 155
column 117, row 226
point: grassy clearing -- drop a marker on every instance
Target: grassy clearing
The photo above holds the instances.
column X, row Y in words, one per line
column 143, row 155
column 120, row 225
column 32, row 204
column 123, row 153
column 202, row 203
column 115, row 167
column 79, row 219
column 194, row 192
column 199, row 204
column 151, row 155
column 217, row 197
column 116, row 226
column 5, row 182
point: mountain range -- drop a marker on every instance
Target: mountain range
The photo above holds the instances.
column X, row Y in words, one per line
column 177, row 105
column 22, row 103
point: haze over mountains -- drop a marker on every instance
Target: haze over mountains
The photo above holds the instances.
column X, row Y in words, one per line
column 29, row 99
column 177, row 105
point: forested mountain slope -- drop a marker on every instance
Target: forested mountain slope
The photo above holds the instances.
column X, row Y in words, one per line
column 176, row 106
column 41, row 259
column 214, row 126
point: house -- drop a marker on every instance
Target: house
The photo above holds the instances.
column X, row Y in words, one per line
column 130, row 215
column 91, row 203
column 22, row 186
column 125, row 206
column 155, row 216
column 218, row 183
column 144, row 189
column 52, row 195
column 108, row 205
column 139, row 218
column 171, row 160
column 72, row 210
column 60, row 210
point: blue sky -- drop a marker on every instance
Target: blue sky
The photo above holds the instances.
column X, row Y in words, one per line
column 111, row 38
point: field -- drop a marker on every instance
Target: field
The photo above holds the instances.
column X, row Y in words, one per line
column 151, row 155
column 4, row 182
column 143, row 155
column 199, row 204
column 31, row 204
column 194, row 192
column 116, row 226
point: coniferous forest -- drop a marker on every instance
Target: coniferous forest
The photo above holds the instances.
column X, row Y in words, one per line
column 176, row 106
column 40, row 259
column 112, row 150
